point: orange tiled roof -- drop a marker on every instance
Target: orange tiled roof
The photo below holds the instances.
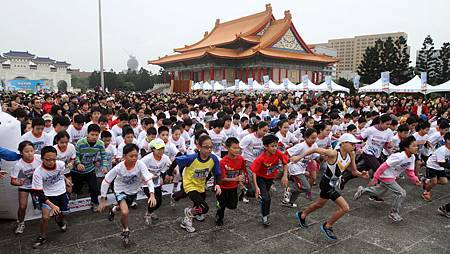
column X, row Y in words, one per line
column 221, row 36
column 227, row 32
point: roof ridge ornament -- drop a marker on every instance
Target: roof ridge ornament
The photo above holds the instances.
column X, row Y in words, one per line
column 205, row 34
column 287, row 14
column 268, row 7
column 217, row 22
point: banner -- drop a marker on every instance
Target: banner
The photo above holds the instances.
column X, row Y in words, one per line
column 423, row 81
column 224, row 82
column 266, row 82
column 356, row 81
column 328, row 82
column 201, row 85
column 250, row 83
column 286, row 83
column 212, row 84
column 236, row 84
column 385, row 81
column 27, row 85
column 305, row 81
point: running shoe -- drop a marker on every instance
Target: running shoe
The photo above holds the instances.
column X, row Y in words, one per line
column 172, row 202
column 358, row 193
column 395, row 216
column 20, row 228
column 62, row 225
column 125, row 236
column 134, row 205
column 111, row 214
column 219, row 221
column 303, row 223
column 286, row 195
column 442, row 211
column 308, row 195
column 245, row 200
column 376, row 199
column 340, row 183
column 39, row 242
column 328, row 232
column 187, row 221
column 288, row 204
column 266, row 221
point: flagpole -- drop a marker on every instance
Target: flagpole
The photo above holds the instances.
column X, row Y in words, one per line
column 102, row 78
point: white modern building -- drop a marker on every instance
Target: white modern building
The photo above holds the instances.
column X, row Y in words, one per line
column 327, row 51
column 17, row 65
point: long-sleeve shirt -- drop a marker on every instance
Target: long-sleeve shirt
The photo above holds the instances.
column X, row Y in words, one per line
column 89, row 155
column 394, row 165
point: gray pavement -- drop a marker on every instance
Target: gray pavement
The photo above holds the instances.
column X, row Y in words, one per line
column 366, row 229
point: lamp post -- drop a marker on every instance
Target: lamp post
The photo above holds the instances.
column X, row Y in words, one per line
column 102, row 78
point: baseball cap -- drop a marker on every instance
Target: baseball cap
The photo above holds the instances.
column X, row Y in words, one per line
column 347, row 137
column 157, row 144
column 47, row 117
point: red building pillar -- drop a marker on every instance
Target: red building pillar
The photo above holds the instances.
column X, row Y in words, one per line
column 259, row 74
column 202, row 75
column 286, row 73
column 246, row 73
column 172, row 76
column 223, row 74
column 211, row 73
column 271, row 74
column 279, row 75
column 253, row 73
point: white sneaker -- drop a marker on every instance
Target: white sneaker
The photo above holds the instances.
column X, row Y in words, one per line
column 358, row 193
column 20, row 228
column 288, row 204
column 187, row 221
column 245, row 200
column 395, row 216
column 286, row 196
column 172, row 202
column 134, row 205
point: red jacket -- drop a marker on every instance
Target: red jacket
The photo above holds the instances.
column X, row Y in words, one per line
column 424, row 109
column 47, row 107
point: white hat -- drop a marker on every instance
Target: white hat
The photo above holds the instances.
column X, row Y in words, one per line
column 47, row 117
column 157, row 144
column 347, row 137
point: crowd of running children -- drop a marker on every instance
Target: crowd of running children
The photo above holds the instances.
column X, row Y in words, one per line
column 121, row 143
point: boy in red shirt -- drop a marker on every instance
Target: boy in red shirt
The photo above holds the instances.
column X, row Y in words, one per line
column 232, row 167
column 265, row 169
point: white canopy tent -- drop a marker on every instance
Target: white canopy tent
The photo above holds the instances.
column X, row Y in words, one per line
column 274, row 87
column 293, row 87
column 412, row 86
column 324, row 87
column 444, row 87
column 376, row 87
column 196, row 86
column 217, row 86
column 243, row 86
column 206, row 86
column 257, row 86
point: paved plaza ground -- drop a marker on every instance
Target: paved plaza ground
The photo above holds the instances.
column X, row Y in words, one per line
column 366, row 229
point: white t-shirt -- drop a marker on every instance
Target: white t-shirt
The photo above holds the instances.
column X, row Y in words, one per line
column 231, row 132
column 38, row 142
column 129, row 181
column 180, row 144
column 75, row 134
column 110, row 153
column 398, row 163
column 252, row 147
column 300, row 149
column 218, row 140
column 284, row 142
column 50, row 181
column 69, row 154
column 376, row 140
column 141, row 136
column 116, row 131
column 157, row 167
column 171, row 151
column 243, row 134
column 187, row 138
column 436, row 140
column 442, row 154
column 119, row 154
column 48, row 129
column 324, row 143
column 423, row 150
column 25, row 170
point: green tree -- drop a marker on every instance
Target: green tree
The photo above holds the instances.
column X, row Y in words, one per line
column 401, row 71
column 427, row 61
column 444, row 60
column 80, row 83
column 370, row 67
column 348, row 84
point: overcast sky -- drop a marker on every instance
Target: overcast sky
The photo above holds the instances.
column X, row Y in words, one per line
column 67, row 30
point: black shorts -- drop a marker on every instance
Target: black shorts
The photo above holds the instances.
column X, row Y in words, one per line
column 433, row 173
column 123, row 196
column 25, row 190
column 62, row 201
column 328, row 192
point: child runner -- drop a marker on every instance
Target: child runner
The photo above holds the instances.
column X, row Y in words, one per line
column 286, row 138
column 66, row 153
column 438, row 162
column 338, row 161
column 22, row 176
column 232, row 167
column 37, row 136
column 76, row 130
column 252, row 147
column 89, row 150
column 49, row 184
column 218, row 137
column 110, row 153
column 195, row 168
column 387, row 173
column 177, row 139
column 157, row 163
column 264, row 170
column 127, row 176
column 297, row 169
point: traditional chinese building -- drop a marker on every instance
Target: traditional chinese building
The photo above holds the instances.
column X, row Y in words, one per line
column 248, row 47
